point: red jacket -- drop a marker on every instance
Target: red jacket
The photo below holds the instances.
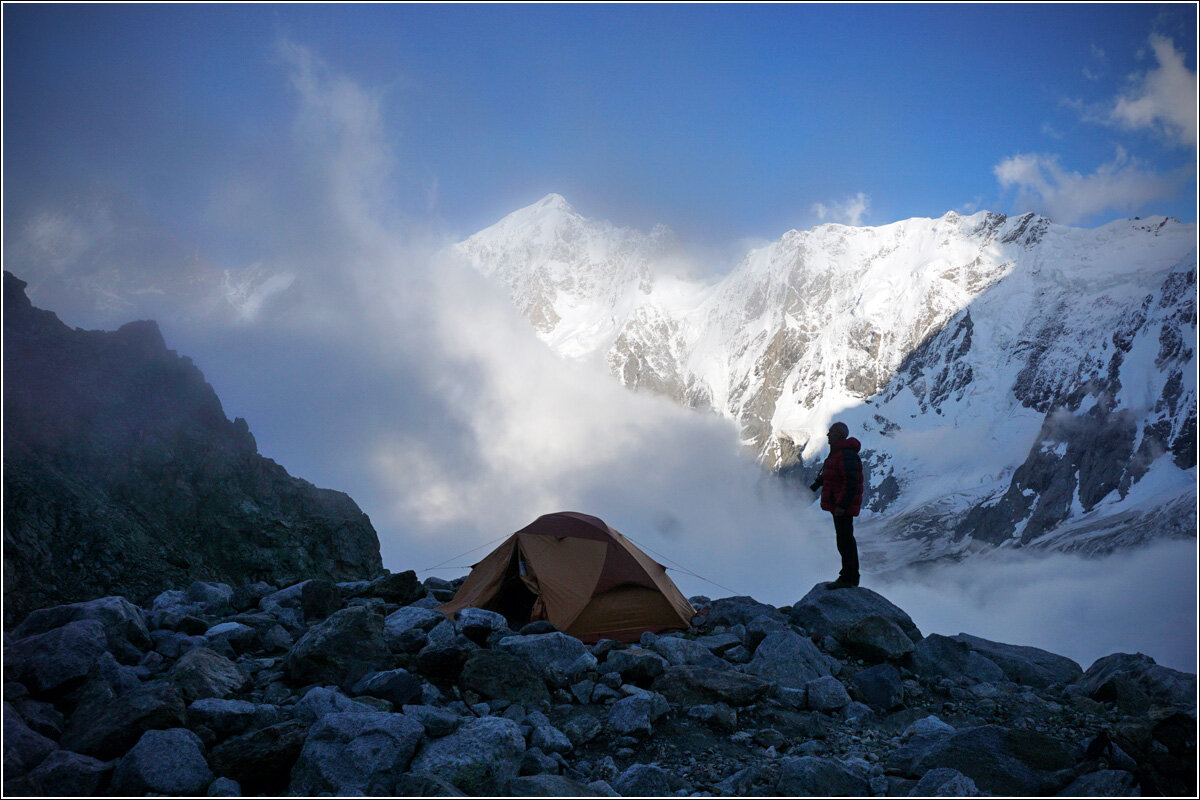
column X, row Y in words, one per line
column 842, row 477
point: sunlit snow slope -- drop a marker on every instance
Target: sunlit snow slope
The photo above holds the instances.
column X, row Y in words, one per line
column 1014, row 382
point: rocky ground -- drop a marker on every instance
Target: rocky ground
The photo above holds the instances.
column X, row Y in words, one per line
column 364, row 688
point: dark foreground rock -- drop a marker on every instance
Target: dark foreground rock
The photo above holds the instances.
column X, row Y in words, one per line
column 363, row 687
column 123, row 476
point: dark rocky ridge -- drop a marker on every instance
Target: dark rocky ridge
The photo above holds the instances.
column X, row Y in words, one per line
column 122, row 475
column 365, row 688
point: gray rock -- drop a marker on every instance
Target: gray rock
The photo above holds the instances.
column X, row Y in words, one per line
column 762, row 626
column 321, row 701
column 877, row 639
column 717, row 715
column 1104, row 783
column 437, row 722
column 224, row 787
column 635, row 665
column 355, row 754
column 57, row 657
column 1030, row 666
column 396, row 686
column 554, row 654
column 686, row 685
column 679, row 651
column 105, row 725
column 231, row 717
column 164, row 762
column 481, row 757
column 210, row 598
column 581, row 728
column 477, row 624
column 546, row 737
column 340, row 649
column 720, row 643
column 320, row 598
column 549, row 786
column 927, row 725
column 946, row 657
column 502, row 675
column 634, row 715
column 67, row 774
column 643, row 780
column 399, row 587
column 832, row 612
column 788, row 659
column 1107, row 677
column 41, row 717
column 945, row 782
column 826, row 694
column 811, row 776
column 729, row 611
column 241, row 638
column 124, row 624
column 202, row 672
column 880, row 686
column 24, row 749
column 261, row 761
column 1000, row 760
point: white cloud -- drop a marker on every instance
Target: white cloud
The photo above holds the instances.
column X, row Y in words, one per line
column 846, row 212
column 1163, row 98
column 1043, row 185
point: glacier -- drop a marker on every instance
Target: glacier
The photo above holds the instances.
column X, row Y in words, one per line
column 1015, row 382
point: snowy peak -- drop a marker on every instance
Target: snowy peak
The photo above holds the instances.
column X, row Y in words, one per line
column 959, row 346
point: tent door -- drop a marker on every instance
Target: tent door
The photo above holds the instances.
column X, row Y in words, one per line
column 518, row 593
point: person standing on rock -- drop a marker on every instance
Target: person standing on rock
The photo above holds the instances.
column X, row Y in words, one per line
column 841, row 485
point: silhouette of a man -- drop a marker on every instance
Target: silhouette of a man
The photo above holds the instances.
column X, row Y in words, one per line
column 841, row 485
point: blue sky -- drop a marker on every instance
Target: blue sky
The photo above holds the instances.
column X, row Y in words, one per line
column 725, row 122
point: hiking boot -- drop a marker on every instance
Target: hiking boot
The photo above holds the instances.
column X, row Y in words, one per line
column 843, row 583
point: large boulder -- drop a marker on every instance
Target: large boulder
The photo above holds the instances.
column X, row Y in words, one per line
column 881, row 686
column 340, row 649
column 350, row 754
column 945, row 782
column 503, row 676
column 688, row 685
column 164, row 762
column 547, row 785
column 397, row 686
column 261, row 760
column 202, row 672
column 635, row 665
column 400, row 587
column 124, row 624
column 556, row 655
column 636, row 714
column 231, row 717
column 105, row 724
column 788, row 659
column 679, row 651
column 320, row 701
column 59, row 657
column 1103, row 783
column 643, row 780
column 741, row 610
column 1119, row 673
column 877, row 639
column 481, row 757
column 1002, row 761
column 833, row 612
column 810, row 776
column 1030, row 666
column 937, row 656
column 24, row 749
column 65, row 774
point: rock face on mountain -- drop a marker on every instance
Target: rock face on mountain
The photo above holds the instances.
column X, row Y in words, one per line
column 1014, row 382
column 122, row 475
column 364, row 688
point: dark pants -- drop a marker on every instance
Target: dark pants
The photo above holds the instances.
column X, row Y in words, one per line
column 844, row 527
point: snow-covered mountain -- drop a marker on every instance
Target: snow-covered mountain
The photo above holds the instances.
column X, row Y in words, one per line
column 1014, row 382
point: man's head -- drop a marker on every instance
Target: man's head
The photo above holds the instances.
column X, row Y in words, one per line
column 837, row 432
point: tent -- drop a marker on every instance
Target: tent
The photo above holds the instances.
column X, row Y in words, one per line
column 584, row 577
